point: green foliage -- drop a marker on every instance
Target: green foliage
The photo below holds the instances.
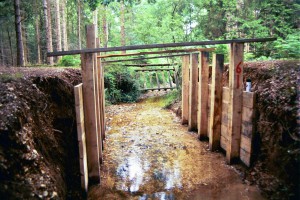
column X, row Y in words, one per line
column 289, row 47
column 170, row 98
column 120, row 86
column 69, row 61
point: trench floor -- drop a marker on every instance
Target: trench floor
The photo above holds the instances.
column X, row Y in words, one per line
column 149, row 155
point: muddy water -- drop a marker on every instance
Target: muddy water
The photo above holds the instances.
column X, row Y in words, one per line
column 149, row 155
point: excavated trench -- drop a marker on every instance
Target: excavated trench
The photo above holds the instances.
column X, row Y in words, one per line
column 148, row 154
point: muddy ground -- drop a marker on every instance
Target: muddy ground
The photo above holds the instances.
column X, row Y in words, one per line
column 38, row 147
column 150, row 155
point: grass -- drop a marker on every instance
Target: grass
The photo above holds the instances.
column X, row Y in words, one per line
column 11, row 77
column 167, row 100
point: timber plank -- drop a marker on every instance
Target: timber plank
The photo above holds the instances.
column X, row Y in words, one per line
column 216, row 102
column 81, row 136
column 236, row 100
column 193, row 93
column 203, row 95
column 185, row 89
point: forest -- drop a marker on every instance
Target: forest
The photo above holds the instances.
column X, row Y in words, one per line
column 31, row 28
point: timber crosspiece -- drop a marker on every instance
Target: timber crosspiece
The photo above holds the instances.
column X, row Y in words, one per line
column 224, row 115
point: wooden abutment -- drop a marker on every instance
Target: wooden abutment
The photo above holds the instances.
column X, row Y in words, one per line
column 224, row 115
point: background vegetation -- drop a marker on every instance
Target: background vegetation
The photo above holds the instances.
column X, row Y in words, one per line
column 31, row 28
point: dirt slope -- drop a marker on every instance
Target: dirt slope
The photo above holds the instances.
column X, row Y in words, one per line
column 38, row 134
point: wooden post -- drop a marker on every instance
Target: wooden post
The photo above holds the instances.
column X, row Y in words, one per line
column 103, row 101
column 90, row 112
column 185, row 89
column 145, row 80
column 235, row 101
column 98, row 100
column 170, row 79
column 150, row 76
column 216, row 102
column 176, row 78
column 100, row 97
column 81, row 136
column 193, row 92
column 203, row 95
column 157, row 80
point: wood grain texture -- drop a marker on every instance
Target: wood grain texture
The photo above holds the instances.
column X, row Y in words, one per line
column 81, row 137
column 203, row 95
column 185, row 89
column 216, row 102
column 236, row 100
column 193, row 93
column 90, row 113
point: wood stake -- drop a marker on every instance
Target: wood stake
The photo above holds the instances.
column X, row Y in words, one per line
column 90, row 112
column 157, row 80
column 98, row 107
column 203, row 95
column 216, row 102
column 81, row 137
column 170, row 79
column 185, row 89
column 235, row 101
column 193, row 92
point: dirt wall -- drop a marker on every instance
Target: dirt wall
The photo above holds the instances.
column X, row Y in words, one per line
column 38, row 143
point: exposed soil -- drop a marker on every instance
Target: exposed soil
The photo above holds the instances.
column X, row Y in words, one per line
column 150, row 155
column 38, row 147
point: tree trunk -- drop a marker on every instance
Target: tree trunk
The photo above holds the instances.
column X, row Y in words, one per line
column 104, row 28
column 20, row 50
column 25, row 47
column 10, row 47
column 48, row 28
column 79, row 24
column 123, row 40
column 64, row 26
column 57, row 29
column 2, row 49
column 38, row 39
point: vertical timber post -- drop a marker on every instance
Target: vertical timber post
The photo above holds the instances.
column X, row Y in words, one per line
column 81, row 137
column 193, row 92
column 185, row 89
column 235, row 101
column 100, row 97
column 157, row 80
column 203, row 95
column 103, row 99
column 89, row 101
column 98, row 109
column 216, row 102
column 170, row 79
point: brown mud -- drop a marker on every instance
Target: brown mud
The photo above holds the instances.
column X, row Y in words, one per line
column 150, row 155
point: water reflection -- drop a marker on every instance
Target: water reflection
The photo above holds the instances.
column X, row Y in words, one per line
column 158, row 196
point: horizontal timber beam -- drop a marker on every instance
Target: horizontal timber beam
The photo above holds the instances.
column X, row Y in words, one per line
column 149, row 65
column 157, row 52
column 144, row 70
column 153, row 46
column 166, row 88
column 145, row 58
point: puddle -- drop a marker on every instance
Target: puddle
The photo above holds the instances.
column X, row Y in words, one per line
column 149, row 155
